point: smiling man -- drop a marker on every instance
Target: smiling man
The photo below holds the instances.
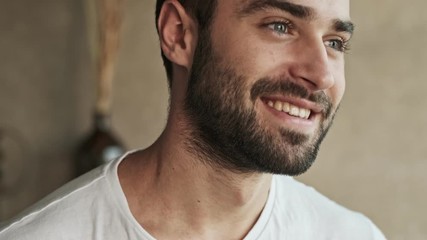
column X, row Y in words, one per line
column 255, row 85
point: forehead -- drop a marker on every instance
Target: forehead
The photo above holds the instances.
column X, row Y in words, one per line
column 334, row 9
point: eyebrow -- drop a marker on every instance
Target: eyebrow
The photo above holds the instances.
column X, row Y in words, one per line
column 294, row 9
column 343, row 26
column 299, row 11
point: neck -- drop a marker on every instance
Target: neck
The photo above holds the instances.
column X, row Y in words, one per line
column 199, row 200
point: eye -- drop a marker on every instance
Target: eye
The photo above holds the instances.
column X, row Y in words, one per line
column 337, row 44
column 280, row 27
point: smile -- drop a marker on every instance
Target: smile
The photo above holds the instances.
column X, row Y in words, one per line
column 289, row 109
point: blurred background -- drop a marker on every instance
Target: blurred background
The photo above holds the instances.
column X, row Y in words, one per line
column 374, row 159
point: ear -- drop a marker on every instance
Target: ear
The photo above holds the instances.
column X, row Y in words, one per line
column 177, row 31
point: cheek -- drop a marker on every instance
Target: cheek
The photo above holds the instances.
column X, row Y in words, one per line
column 246, row 57
column 337, row 91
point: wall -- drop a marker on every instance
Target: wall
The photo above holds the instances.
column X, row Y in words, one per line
column 45, row 95
column 376, row 157
column 372, row 161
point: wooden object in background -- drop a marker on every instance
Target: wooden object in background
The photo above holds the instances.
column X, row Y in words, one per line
column 104, row 19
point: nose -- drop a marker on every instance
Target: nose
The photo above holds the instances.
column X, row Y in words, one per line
column 312, row 65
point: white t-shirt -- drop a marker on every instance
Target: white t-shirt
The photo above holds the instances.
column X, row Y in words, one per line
column 95, row 207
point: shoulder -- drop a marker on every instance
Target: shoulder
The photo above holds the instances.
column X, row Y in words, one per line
column 308, row 207
column 61, row 212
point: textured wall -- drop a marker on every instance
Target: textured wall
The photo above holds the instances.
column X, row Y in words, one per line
column 44, row 95
column 376, row 156
column 373, row 160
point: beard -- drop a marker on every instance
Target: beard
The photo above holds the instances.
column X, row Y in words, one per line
column 226, row 131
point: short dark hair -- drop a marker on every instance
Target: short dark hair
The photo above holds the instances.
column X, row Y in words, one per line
column 201, row 10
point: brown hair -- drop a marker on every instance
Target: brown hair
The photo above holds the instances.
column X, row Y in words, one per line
column 201, row 10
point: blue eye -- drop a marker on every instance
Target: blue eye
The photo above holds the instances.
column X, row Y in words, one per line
column 279, row 27
column 337, row 44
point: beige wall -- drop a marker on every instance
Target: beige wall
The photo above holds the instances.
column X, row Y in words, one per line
column 373, row 160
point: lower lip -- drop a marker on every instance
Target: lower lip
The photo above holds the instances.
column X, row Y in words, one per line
column 296, row 123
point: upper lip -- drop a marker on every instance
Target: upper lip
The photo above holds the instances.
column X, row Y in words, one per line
column 299, row 102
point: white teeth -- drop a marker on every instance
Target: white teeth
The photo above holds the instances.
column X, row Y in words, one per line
column 302, row 113
column 290, row 109
column 307, row 114
column 294, row 111
column 286, row 107
column 278, row 106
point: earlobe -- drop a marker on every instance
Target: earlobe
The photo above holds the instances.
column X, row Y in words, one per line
column 176, row 31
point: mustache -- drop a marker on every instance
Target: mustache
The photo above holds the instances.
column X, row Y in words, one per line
column 287, row 87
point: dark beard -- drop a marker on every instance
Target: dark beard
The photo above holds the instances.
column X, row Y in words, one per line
column 225, row 133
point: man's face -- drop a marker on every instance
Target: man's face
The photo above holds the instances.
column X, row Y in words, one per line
column 267, row 79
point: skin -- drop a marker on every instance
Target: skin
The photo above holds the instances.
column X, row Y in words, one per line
column 198, row 200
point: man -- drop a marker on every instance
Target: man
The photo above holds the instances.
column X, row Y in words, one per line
column 254, row 87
